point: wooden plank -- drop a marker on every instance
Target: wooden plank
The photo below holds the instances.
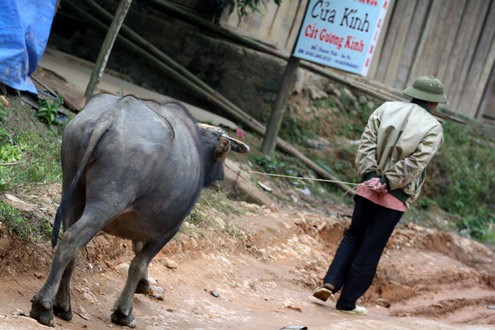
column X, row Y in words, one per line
column 487, row 106
column 472, row 33
column 381, row 40
column 419, row 64
column 261, row 21
column 480, row 68
column 434, row 42
column 271, row 24
column 468, row 29
column 282, row 23
column 454, row 27
column 400, row 39
column 296, row 24
column 389, row 41
column 437, row 44
column 411, row 44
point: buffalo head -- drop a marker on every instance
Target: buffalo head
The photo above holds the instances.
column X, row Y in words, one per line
column 217, row 145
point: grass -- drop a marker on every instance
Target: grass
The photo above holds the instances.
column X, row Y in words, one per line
column 29, row 156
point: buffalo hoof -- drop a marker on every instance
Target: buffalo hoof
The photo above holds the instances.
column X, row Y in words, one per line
column 121, row 319
column 63, row 313
column 42, row 311
column 144, row 287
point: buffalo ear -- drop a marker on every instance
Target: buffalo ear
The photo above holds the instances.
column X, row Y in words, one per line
column 223, row 148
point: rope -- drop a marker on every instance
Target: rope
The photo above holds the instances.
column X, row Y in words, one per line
column 298, row 177
column 306, row 178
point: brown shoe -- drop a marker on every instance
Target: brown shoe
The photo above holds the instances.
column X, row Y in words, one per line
column 323, row 292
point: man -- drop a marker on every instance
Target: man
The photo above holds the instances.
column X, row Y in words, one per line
column 397, row 144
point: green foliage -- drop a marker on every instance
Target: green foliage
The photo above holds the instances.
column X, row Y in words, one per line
column 351, row 115
column 29, row 158
column 272, row 165
column 48, row 111
column 29, row 155
column 3, row 112
column 466, row 183
column 10, row 154
column 20, row 225
column 295, row 131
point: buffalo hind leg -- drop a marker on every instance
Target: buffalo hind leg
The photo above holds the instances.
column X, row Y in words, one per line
column 122, row 309
column 77, row 236
column 61, row 305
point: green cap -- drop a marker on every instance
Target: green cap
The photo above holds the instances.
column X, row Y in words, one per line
column 427, row 88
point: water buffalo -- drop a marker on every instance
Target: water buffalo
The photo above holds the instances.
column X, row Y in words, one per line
column 135, row 169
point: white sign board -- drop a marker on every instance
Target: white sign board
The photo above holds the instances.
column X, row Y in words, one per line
column 341, row 33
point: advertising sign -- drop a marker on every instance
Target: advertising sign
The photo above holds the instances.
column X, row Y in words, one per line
column 341, row 33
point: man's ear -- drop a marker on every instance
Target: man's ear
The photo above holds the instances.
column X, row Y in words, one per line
column 432, row 105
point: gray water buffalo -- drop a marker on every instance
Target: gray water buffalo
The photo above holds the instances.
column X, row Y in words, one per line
column 134, row 169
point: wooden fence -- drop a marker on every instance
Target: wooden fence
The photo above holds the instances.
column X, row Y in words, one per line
column 452, row 40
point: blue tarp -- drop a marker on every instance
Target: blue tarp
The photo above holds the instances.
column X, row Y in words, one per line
column 24, row 30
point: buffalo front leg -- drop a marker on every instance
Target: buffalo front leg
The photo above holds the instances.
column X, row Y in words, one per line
column 143, row 285
column 74, row 239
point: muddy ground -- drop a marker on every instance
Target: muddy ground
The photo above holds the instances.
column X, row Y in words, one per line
column 255, row 269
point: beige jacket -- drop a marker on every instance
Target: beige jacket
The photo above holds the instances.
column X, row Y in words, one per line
column 398, row 142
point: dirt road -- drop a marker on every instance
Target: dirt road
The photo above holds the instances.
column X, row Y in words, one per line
column 256, row 270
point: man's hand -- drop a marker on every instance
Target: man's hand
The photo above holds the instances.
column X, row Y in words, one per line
column 376, row 185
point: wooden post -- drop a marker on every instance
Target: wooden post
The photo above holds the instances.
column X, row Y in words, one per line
column 106, row 48
column 288, row 80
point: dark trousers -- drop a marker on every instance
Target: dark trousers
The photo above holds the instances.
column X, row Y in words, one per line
column 354, row 265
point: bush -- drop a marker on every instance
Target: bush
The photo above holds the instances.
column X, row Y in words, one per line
column 48, row 111
column 466, row 183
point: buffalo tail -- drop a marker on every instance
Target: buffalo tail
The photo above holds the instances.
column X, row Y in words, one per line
column 102, row 126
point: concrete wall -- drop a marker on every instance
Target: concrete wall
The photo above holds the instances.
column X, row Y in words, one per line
column 247, row 78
